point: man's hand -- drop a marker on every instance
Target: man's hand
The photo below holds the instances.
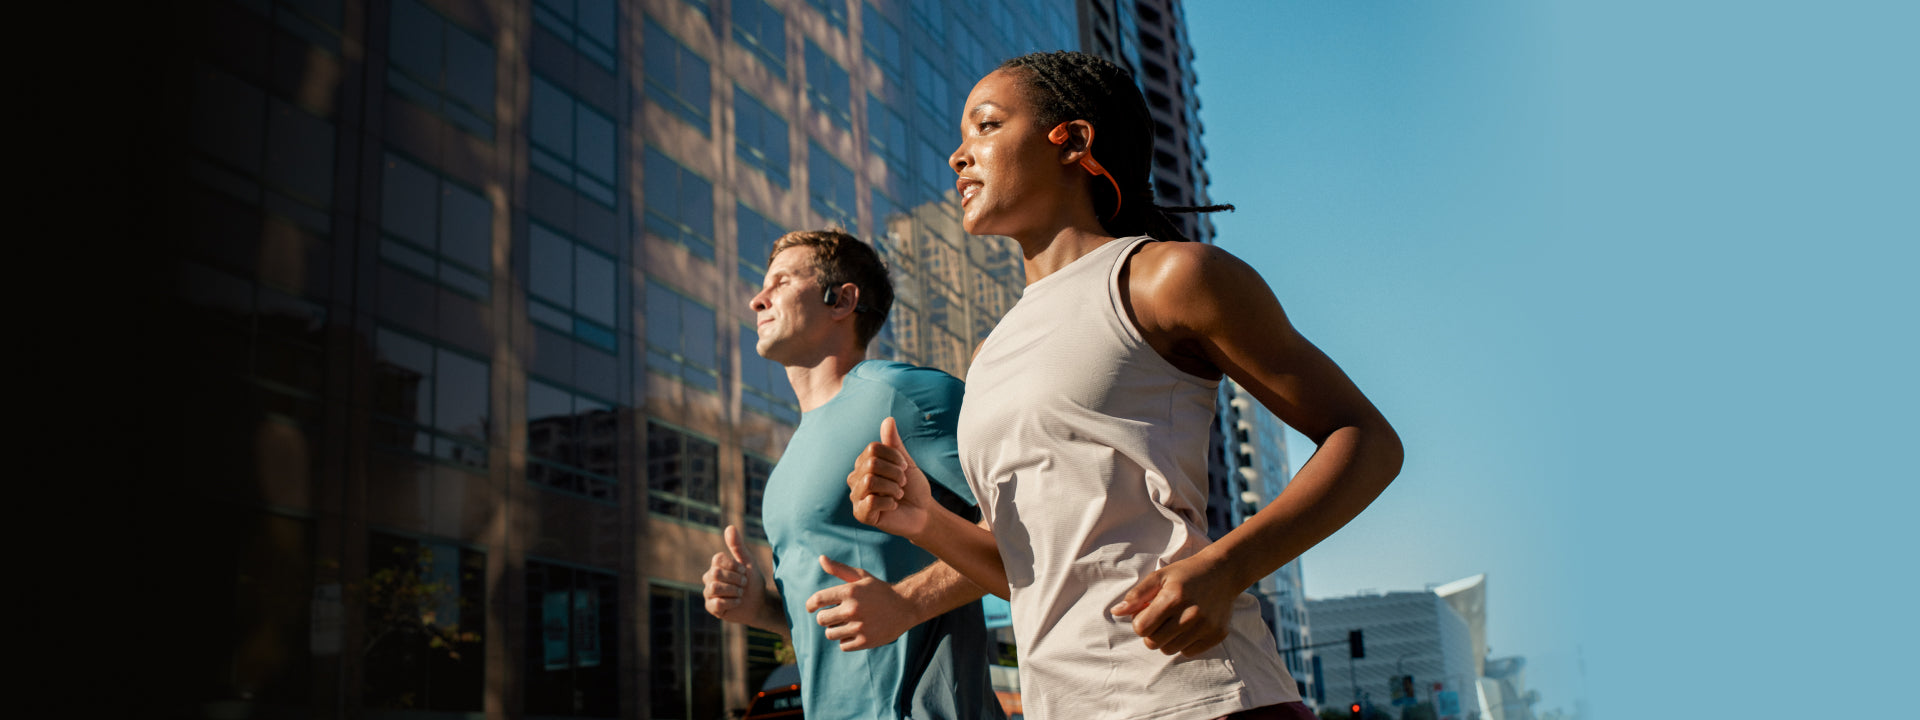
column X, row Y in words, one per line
column 735, row 590
column 888, row 490
column 865, row 613
column 1186, row 607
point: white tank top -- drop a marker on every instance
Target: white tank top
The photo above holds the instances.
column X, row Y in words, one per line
column 1087, row 451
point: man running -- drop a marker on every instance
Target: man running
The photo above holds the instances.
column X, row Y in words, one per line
column 825, row 296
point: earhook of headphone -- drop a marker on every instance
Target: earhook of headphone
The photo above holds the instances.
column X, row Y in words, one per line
column 1058, row 136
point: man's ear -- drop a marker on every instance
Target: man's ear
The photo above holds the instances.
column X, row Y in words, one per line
column 847, row 299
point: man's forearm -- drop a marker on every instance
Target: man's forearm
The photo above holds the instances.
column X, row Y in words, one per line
column 937, row 590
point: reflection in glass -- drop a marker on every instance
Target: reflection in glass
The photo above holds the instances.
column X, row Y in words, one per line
column 425, row 612
column 683, row 475
column 433, row 401
column 573, row 441
column 573, row 653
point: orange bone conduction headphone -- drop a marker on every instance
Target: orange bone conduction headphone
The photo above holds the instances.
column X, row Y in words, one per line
column 1059, row 137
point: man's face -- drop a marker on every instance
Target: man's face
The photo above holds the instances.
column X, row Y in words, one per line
column 789, row 315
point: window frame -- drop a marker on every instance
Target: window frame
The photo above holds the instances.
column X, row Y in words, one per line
column 602, row 334
column 687, row 236
column 677, row 355
column 683, row 501
column 568, row 169
column 773, row 55
column 571, row 29
column 597, row 486
column 432, row 431
column 666, row 92
column 394, row 247
column 824, row 76
column 754, row 154
column 435, row 93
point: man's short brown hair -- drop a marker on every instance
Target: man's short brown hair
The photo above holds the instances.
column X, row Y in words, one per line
column 839, row 258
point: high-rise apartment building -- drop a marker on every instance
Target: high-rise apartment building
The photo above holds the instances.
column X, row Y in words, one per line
column 1149, row 38
column 460, row 386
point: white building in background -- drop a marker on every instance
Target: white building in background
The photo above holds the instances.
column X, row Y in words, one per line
column 1253, row 451
column 1419, row 633
column 1503, row 689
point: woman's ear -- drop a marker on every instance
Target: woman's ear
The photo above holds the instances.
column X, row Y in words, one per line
column 1075, row 137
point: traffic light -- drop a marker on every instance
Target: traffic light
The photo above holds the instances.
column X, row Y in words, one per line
column 1356, row 648
column 1354, row 708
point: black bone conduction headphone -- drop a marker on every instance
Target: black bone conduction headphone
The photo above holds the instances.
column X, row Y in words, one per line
column 832, row 297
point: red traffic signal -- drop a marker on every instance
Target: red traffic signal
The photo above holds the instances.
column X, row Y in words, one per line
column 1355, row 709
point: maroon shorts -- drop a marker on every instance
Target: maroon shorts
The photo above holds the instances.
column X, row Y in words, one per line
column 1283, row 711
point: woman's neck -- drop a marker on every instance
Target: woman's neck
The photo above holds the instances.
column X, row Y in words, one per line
column 1047, row 254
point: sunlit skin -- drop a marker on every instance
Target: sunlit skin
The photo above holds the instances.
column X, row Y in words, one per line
column 819, row 344
column 1199, row 307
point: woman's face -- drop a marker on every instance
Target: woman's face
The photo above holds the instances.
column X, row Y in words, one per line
column 1010, row 175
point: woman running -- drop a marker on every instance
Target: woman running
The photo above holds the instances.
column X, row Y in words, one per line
column 1085, row 422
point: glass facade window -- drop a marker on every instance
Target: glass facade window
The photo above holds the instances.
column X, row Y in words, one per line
column 763, row 383
column 441, row 66
column 762, row 30
column 425, row 610
column 970, row 57
column 431, row 401
column 677, row 79
column 831, row 186
column 686, row 647
column 886, row 130
column 573, row 142
column 573, row 441
column 936, row 176
column 930, row 87
column 589, row 25
column 573, row 641
column 828, row 87
column 263, row 150
column 929, row 14
column 572, row 287
column 881, row 38
column 834, row 10
column 755, row 472
column 756, row 236
column 679, row 204
column 436, row 228
column 683, row 475
column 760, row 137
column 680, row 338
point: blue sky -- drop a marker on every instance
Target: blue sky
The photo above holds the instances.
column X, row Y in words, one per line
column 1635, row 282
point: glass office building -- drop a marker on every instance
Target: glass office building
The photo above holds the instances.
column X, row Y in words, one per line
column 461, row 387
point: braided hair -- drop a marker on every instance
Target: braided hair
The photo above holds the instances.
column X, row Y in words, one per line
column 1064, row 86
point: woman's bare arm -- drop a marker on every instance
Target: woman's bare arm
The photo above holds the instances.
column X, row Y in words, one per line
column 1207, row 312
